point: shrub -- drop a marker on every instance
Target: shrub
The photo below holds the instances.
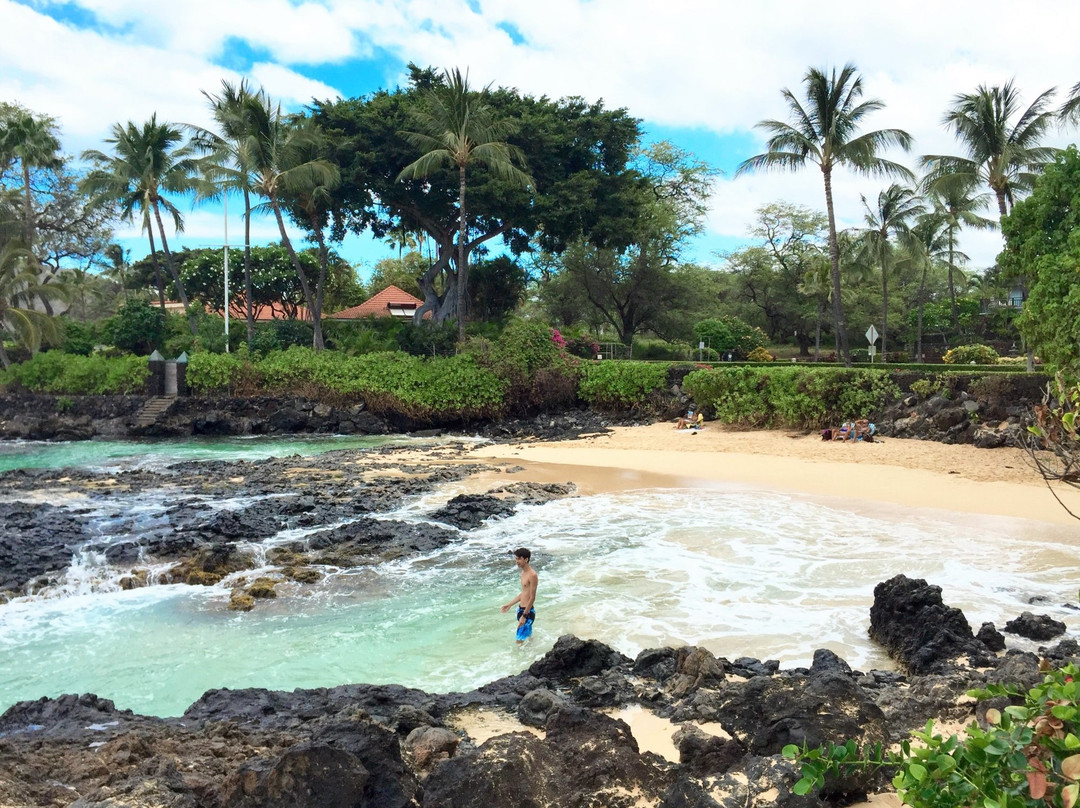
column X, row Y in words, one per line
column 137, row 327
column 971, row 355
column 760, row 355
column 613, row 385
column 585, row 347
column 57, row 372
column 215, row 373
column 724, row 334
column 793, row 396
column 1028, row 755
column 78, row 338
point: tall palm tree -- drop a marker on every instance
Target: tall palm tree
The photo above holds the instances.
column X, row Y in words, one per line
column 825, row 132
column 458, row 128
column 1001, row 142
column 146, row 162
column 890, row 219
column 957, row 204
column 277, row 149
column 229, row 168
column 32, row 141
column 20, row 287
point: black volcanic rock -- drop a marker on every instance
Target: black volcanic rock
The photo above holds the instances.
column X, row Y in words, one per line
column 1035, row 627
column 917, row 629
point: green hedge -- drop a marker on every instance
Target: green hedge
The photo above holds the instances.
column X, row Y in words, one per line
column 58, row 372
column 617, row 385
column 790, row 396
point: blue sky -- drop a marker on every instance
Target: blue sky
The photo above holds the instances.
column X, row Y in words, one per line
column 698, row 73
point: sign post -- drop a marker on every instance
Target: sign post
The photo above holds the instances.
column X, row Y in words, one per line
column 871, row 337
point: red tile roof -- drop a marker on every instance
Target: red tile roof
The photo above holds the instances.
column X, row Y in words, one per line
column 380, row 305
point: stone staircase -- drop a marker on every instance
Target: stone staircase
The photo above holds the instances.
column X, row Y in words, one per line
column 153, row 410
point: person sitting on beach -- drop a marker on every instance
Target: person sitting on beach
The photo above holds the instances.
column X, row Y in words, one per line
column 864, row 430
column 845, row 432
column 699, row 421
column 686, row 421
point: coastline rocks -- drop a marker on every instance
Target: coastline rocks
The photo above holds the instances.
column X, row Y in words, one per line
column 909, row 619
column 1035, row 627
column 35, row 541
column 469, row 511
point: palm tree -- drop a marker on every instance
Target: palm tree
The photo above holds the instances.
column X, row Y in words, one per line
column 925, row 248
column 146, row 162
column 816, row 284
column 457, row 128
column 957, row 204
column 118, row 267
column 20, row 286
column 1070, row 110
column 30, row 140
column 1000, row 142
column 824, row 132
column 891, row 219
column 229, row 168
column 276, row 148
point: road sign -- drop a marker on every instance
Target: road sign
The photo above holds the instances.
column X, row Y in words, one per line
column 873, row 352
column 871, row 334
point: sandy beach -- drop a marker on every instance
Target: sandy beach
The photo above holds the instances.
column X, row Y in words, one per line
column 997, row 482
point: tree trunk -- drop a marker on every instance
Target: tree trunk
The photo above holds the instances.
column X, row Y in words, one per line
column 884, row 306
column 952, row 286
column 1003, row 209
column 922, row 296
column 462, row 268
column 192, row 323
column 316, row 342
column 834, row 260
column 28, row 209
column 320, row 284
column 157, row 267
column 248, row 312
column 817, row 329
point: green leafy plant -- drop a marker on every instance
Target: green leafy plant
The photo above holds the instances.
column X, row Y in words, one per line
column 612, row 385
column 971, row 355
column 1027, row 756
column 759, row 354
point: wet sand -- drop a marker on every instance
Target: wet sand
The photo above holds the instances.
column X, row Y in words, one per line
column 997, row 482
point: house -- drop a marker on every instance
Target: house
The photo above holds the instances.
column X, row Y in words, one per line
column 390, row 302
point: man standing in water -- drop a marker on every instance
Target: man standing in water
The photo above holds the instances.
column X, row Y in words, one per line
column 526, row 600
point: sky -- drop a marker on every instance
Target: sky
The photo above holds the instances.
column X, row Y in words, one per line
column 698, row 73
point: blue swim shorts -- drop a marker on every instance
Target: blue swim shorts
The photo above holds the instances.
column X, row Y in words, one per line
column 524, row 631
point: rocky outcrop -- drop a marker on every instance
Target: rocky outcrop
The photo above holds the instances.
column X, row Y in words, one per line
column 36, row 541
column 386, row 745
column 917, row 629
column 1035, row 627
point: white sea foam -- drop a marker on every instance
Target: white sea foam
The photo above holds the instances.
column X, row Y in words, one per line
column 741, row 572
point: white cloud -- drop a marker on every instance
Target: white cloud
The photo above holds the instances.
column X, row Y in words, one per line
column 692, row 63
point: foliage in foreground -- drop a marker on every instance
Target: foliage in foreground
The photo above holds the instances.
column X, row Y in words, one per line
column 58, row 372
column 1027, row 757
column 790, row 396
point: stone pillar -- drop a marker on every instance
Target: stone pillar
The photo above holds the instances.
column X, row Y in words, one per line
column 181, row 374
column 156, row 384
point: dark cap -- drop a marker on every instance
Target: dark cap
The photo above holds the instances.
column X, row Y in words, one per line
column 521, row 552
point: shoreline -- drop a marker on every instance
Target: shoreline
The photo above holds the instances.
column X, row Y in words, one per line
column 901, row 472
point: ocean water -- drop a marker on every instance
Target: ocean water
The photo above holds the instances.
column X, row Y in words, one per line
column 738, row 570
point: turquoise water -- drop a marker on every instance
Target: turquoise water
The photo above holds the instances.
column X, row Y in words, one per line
column 740, row 571
column 99, row 453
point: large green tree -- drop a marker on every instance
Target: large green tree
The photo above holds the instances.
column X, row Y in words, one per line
column 1042, row 242
column 578, row 155
column 824, row 130
column 458, row 127
column 1002, row 142
column 147, row 162
column 639, row 288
